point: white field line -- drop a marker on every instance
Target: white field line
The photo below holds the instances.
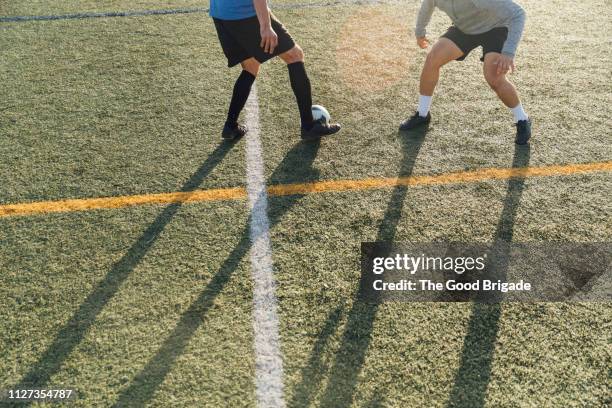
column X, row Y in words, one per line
column 268, row 358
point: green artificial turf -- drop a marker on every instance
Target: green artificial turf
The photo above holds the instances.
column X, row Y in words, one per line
column 41, row 7
column 110, row 107
column 135, row 306
column 151, row 305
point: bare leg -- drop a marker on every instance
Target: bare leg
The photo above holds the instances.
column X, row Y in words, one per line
column 508, row 95
column 251, row 66
column 293, row 55
column 443, row 52
column 499, row 83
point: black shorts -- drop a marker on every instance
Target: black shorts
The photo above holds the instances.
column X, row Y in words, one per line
column 491, row 41
column 240, row 40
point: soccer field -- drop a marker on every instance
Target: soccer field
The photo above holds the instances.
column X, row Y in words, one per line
column 125, row 267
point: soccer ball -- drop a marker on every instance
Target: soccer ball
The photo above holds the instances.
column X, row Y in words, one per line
column 319, row 112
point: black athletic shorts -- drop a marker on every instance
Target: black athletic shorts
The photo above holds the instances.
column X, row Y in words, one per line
column 240, row 40
column 491, row 41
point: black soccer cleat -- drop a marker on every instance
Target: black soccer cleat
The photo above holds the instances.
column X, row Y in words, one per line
column 320, row 129
column 234, row 132
column 523, row 132
column 415, row 121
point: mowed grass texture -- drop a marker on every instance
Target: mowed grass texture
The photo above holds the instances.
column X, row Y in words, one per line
column 113, row 106
column 42, row 7
column 101, row 301
column 152, row 305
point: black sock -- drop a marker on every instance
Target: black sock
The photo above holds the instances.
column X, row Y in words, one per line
column 242, row 89
column 303, row 94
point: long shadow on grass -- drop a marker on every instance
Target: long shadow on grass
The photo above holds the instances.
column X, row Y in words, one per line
column 474, row 374
column 357, row 333
column 296, row 166
column 75, row 329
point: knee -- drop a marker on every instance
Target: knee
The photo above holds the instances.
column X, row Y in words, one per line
column 296, row 54
column 251, row 66
column 433, row 61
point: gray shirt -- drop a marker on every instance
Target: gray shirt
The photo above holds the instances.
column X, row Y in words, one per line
column 477, row 17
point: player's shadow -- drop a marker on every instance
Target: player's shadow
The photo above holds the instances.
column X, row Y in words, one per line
column 356, row 337
column 474, row 373
column 72, row 333
column 295, row 167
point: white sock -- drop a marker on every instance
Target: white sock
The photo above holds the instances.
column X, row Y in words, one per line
column 519, row 113
column 424, row 105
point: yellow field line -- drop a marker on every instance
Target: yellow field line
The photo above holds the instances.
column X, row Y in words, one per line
column 236, row 193
column 447, row 178
column 84, row 204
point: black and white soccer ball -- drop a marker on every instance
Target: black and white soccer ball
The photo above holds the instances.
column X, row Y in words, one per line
column 319, row 112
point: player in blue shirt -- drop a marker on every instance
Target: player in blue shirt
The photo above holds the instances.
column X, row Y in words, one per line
column 250, row 35
column 232, row 9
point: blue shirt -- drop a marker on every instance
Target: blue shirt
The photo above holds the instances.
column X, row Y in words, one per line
column 232, row 9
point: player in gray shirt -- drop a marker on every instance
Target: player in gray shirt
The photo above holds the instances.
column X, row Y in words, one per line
column 496, row 26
